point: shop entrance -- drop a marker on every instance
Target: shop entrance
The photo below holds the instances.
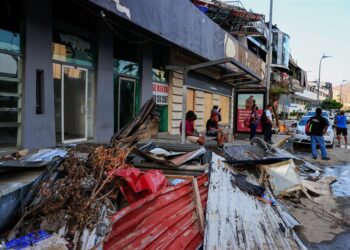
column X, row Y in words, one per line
column 126, row 101
column 71, row 93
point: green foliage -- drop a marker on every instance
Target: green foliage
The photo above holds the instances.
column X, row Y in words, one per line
column 276, row 91
column 331, row 104
column 293, row 113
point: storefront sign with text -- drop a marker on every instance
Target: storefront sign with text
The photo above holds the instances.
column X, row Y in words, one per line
column 160, row 93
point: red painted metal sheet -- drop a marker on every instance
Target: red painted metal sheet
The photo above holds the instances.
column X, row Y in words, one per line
column 166, row 219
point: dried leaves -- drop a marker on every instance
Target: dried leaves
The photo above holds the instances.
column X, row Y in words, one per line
column 78, row 192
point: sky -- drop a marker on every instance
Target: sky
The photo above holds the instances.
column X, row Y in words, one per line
column 315, row 27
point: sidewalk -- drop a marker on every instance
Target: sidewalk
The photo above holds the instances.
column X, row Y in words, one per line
column 163, row 138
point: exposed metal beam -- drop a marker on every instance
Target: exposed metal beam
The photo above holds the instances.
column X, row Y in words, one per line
column 222, row 61
column 250, row 86
column 233, row 75
column 175, row 68
column 241, row 79
column 244, row 83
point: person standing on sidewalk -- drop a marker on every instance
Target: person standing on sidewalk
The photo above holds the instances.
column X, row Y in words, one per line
column 254, row 121
column 266, row 124
column 341, row 127
column 318, row 127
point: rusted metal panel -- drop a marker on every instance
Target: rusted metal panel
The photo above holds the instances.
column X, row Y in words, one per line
column 237, row 220
column 164, row 220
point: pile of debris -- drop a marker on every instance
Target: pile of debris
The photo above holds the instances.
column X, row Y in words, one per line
column 127, row 195
column 73, row 201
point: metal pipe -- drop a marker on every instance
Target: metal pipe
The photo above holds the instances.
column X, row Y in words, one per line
column 319, row 78
column 184, row 100
column 232, row 108
column 269, row 55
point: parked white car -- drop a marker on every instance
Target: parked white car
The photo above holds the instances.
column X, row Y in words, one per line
column 347, row 115
column 324, row 114
column 301, row 138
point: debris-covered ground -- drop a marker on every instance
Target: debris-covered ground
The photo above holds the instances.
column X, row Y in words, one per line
column 129, row 195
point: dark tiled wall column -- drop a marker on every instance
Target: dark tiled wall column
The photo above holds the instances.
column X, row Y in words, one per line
column 38, row 130
column 104, row 109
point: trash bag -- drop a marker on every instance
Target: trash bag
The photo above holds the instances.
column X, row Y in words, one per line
column 139, row 184
column 27, row 240
column 240, row 181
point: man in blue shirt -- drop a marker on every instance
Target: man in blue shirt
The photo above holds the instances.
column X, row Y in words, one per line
column 341, row 127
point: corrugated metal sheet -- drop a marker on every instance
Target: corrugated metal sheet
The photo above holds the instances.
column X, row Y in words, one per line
column 237, row 220
column 164, row 220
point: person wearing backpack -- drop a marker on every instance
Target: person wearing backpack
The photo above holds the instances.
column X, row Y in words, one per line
column 266, row 124
column 317, row 128
column 341, row 127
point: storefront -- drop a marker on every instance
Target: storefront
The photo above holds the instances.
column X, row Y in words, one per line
column 74, row 54
column 10, row 74
column 214, row 93
column 80, row 70
column 127, row 77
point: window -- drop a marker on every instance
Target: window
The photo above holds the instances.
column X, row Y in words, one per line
column 73, row 49
column 10, row 73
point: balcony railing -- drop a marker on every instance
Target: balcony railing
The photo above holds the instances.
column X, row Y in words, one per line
column 249, row 59
column 294, row 85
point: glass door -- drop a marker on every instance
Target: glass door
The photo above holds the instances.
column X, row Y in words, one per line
column 74, row 92
column 126, row 101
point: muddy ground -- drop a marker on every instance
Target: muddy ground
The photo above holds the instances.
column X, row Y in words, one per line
column 326, row 219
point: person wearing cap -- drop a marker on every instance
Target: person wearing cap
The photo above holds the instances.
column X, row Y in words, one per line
column 191, row 134
column 213, row 130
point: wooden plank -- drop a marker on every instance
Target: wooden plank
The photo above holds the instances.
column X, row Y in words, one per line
column 190, row 100
column 225, row 109
column 198, row 204
column 185, row 177
column 208, row 105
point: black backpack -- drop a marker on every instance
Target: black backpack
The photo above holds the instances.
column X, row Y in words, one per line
column 263, row 119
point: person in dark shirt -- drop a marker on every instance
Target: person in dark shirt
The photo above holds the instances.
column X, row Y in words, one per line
column 318, row 127
column 213, row 129
column 254, row 121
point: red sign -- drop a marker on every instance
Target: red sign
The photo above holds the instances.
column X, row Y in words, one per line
column 160, row 93
column 245, row 102
column 242, row 114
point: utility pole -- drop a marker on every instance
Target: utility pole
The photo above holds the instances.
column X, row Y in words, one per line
column 341, row 91
column 269, row 55
column 319, row 78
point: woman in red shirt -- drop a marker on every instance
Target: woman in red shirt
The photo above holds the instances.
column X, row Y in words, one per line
column 191, row 134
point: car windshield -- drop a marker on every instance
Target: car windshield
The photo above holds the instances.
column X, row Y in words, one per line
column 303, row 121
column 311, row 113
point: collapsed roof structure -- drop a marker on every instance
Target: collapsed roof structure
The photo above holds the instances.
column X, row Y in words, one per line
column 232, row 16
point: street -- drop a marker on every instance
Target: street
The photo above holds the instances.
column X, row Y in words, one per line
column 318, row 226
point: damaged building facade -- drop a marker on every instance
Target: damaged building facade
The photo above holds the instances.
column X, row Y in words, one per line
column 80, row 70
